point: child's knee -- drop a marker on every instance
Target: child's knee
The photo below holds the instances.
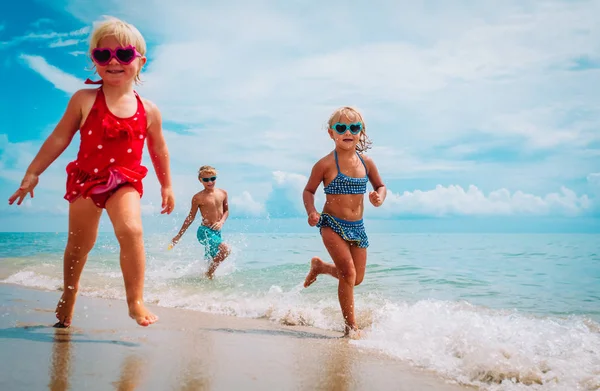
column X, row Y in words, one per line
column 349, row 275
column 129, row 231
column 224, row 248
column 358, row 280
column 78, row 248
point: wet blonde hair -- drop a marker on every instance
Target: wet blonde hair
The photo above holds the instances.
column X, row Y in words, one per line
column 123, row 32
column 207, row 170
column 353, row 114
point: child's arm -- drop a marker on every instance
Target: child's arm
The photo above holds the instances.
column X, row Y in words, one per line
column 159, row 153
column 377, row 196
column 188, row 220
column 52, row 148
column 308, row 195
column 218, row 225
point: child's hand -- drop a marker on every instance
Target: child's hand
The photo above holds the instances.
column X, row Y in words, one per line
column 174, row 241
column 168, row 200
column 217, row 226
column 313, row 219
column 375, row 198
column 28, row 183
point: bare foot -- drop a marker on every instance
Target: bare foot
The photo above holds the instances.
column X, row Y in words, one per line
column 352, row 333
column 141, row 314
column 316, row 265
column 65, row 308
column 214, row 264
column 210, row 272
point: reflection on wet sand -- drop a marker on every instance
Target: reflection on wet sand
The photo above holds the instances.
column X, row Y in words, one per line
column 61, row 368
column 190, row 351
column 131, row 373
column 196, row 374
column 60, row 363
column 193, row 380
column 337, row 370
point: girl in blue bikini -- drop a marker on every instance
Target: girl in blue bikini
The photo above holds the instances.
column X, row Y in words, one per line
column 344, row 173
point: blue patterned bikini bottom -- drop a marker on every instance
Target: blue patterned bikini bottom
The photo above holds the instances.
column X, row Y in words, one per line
column 350, row 231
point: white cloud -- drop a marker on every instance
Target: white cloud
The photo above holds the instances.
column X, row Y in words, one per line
column 246, row 205
column 284, row 193
column 397, row 162
column 471, row 93
column 594, row 179
column 150, row 209
column 285, row 198
column 38, row 23
column 290, row 179
column 33, row 207
column 15, row 157
column 61, row 80
column 64, row 42
column 481, row 74
column 44, row 36
column 53, row 34
column 454, row 200
column 547, row 127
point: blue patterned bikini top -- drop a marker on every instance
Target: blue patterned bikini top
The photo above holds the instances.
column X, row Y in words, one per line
column 344, row 184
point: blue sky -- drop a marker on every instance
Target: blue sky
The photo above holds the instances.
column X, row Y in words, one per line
column 483, row 116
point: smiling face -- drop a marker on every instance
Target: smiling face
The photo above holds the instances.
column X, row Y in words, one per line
column 344, row 129
column 118, row 51
column 208, row 177
column 117, row 72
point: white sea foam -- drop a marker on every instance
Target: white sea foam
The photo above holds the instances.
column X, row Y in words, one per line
column 491, row 349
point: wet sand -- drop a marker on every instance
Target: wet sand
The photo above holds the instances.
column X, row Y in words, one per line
column 185, row 350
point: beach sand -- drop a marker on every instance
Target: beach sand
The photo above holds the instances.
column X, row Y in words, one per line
column 185, row 350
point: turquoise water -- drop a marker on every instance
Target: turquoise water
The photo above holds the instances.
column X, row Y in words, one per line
column 475, row 308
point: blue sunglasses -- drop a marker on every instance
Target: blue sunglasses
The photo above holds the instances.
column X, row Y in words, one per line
column 354, row 128
column 211, row 179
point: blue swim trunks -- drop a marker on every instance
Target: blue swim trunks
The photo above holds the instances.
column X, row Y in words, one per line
column 211, row 240
column 350, row 231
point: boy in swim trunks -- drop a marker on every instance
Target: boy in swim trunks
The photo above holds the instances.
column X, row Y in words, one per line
column 214, row 208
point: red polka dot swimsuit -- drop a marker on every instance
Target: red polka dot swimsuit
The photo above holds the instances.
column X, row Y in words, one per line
column 110, row 154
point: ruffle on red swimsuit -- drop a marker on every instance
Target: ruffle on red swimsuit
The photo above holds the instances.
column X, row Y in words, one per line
column 110, row 154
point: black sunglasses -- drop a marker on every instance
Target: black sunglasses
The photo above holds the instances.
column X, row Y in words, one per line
column 211, row 179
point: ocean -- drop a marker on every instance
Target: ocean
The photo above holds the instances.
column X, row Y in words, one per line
column 497, row 311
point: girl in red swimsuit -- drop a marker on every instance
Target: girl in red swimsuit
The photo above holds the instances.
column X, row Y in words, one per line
column 113, row 123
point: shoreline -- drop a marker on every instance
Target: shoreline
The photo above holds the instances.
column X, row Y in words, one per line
column 185, row 349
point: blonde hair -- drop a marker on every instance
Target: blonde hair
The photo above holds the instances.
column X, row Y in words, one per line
column 207, row 170
column 123, row 32
column 364, row 142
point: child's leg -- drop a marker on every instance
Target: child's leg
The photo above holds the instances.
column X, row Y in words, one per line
column 339, row 250
column 223, row 253
column 317, row 267
column 84, row 217
column 124, row 210
column 359, row 256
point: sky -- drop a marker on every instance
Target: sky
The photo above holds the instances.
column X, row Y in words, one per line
column 484, row 116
